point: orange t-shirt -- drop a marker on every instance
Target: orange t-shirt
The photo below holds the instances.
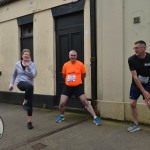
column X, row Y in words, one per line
column 73, row 73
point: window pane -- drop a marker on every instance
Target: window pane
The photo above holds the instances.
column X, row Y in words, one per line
column 27, row 30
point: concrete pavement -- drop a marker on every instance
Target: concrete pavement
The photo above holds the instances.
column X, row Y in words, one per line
column 76, row 132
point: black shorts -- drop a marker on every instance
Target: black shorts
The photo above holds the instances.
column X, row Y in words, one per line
column 135, row 91
column 73, row 90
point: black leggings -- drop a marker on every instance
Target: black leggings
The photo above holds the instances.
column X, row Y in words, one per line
column 28, row 88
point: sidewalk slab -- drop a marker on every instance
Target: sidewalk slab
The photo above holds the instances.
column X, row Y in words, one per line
column 77, row 132
column 44, row 121
column 87, row 136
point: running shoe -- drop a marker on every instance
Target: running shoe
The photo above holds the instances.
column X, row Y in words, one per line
column 97, row 121
column 25, row 106
column 60, row 118
column 29, row 125
column 134, row 127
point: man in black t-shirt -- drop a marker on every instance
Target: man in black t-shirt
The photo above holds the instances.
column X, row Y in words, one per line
column 139, row 65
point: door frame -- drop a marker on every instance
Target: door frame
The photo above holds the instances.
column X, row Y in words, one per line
column 78, row 6
column 68, row 30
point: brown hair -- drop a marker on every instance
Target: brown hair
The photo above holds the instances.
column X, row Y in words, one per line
column 25, row 50
column 141, row 42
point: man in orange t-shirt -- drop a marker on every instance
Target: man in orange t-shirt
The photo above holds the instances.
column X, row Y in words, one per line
column 74, row 72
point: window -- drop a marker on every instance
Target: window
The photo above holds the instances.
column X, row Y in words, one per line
column 25, row 24
column 26, row 38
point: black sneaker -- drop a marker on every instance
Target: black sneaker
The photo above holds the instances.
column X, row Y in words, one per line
column 25, row 107
column 29, row 125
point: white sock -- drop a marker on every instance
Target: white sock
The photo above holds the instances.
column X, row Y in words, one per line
column 95, row 117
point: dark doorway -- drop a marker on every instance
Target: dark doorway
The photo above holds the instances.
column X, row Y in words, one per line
column 69, row 35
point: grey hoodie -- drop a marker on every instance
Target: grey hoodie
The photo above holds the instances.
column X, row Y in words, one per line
column 23, row 75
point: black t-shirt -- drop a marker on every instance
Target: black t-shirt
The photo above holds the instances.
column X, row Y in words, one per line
column 141, row 66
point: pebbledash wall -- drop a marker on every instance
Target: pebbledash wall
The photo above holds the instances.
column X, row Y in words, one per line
column 116, row 33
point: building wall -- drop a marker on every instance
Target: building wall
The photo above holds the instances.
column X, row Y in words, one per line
column 44, row 43
column 116, row 35
column 87, row 48
column 132, row 33
column 44, row 53
column 110, row 58
column 9, row 51
column 25, row 7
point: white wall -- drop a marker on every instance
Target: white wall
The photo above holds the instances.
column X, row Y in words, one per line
column 44, row 43
column 134, row 32
column 116, row 34
column 9, row 53
column 44, row 53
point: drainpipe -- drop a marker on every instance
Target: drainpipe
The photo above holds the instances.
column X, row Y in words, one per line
column 93, row 51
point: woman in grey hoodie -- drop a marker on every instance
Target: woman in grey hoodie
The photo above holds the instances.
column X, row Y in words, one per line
column 24, row 74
